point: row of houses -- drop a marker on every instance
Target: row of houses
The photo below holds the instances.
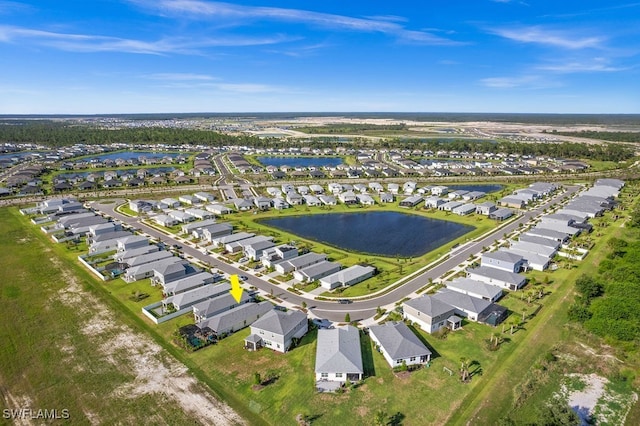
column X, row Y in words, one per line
column 473, row 297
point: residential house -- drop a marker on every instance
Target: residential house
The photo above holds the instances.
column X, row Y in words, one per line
column 499, row 277
column 466, row 306
column 165, row 220
column 262, row 203
column 501, row 214
column 170, row 271
column 399, row 345
column 190, row 227
column 299, row 262
column 221, row 302
column 132, row 242
column 464, row 209
column 254, row 251
column 338, row 356
column 218, row 209
column 192, row 281
column 431, row 314
column 505, row 260
column 277, row 330
column 223, row 240
column 475, row 288
column 228, row 322
column 486, row 208
column 316, row 271
column 411, row 201
column 346, row 277
column 217, row 230
column 277, row 254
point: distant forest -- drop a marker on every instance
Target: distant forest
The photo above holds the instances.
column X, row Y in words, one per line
column 605, row 136
column 59, row 134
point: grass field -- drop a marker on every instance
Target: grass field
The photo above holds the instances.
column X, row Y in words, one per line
column 78, row 323
column 64, row 348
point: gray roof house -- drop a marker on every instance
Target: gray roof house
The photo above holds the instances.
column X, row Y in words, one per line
column 464, row 209
column 327, row 200
column 549, row 233
column 225, row 239
column 147, row 258
column 450, row 205
column 411, row 201
column 122, row 257
column 217, row 230
column 299, row 262
column 218, row 209
column 475, row 288
column 527, row 237
column 277, row 330
column 524, row 246
column 277, row 254
column 190, row 282
column 220, row 302
column 535, row 261
column 147, row 270
column 398, row 344
column 486, row 208
column 189, row 227
column 236, row 246
column 131, row 242
column 338, row 357
column 164, row 220
column 431, row 314
column 505, row 260
column 167, row 272
column 191, row 297
column 316, row 271
column 499, row 277
column 346, row 277
column 254, row 251
column 466, row 305
column 501, row 214
column 235, row 319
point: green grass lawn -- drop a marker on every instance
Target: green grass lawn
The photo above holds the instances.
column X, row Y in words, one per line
column 48, row 357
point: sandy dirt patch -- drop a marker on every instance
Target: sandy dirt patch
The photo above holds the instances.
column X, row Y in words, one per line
column 155, row 371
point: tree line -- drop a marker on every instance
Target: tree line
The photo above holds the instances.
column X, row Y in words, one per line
column 59, row 134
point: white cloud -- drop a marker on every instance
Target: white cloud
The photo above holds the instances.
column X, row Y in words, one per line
column 556, row 38
column 97, row 43
column 180, row 77
column 594, row 65
column 242, row 15
column 519, row 82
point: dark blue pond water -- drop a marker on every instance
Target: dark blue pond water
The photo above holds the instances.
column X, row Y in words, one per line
column 300, row 161
column 381, row 233
column 130, row 155
column 483, row 188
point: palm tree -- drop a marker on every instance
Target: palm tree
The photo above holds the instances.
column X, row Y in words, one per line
column 464, row 368
column 380, row 418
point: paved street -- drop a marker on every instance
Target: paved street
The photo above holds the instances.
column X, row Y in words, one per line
column 359, row 309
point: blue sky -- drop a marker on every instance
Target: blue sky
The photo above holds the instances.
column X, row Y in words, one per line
column 128, row 56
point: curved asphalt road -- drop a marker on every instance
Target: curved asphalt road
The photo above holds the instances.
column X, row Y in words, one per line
column 359, row 309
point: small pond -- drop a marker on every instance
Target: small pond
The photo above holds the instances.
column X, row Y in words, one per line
column 300, row 161
column 379, row 233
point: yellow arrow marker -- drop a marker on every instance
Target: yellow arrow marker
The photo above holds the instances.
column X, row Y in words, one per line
column 236, row 290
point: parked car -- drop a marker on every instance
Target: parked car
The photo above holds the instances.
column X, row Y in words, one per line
column 244, row 277
column 243, row 260
column 345, row 301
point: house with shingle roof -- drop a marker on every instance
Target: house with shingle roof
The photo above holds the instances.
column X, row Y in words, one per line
column 431, row 314
column 398, row 344
column 277, row 330
column 338, row 356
